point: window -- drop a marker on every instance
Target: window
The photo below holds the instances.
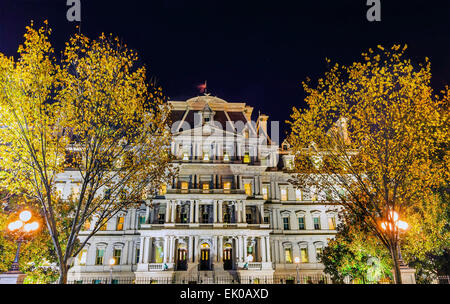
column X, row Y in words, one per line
column 316, row 222
column 266, row 219
column 301, row 223
column 138, row 252
column 288, row 255
column 304, row 255
column 103, row 224
column 116, row 254
column 226, row 156
column 332, row 223
column 120, row 221
column 289, row 164
column 185, row 156
column 248, row 189
column 283, row 192
column 246, row 157
column 141, row 220
column 205, row 186
column 286, row 223
column 99, row 256
column 82, row 256
column 226, row 185
column 319, row 251
column 184, row 185
column 163, row 189
column 205, row 156
column 248, row 218
column 298, row 194
column 159, row 254
column 265, row 192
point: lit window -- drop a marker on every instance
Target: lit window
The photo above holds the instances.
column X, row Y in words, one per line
column 319, row 251
column 159, row 254
column 227, row 185
column 226, row 157
column 265, row 192
column 141, row 220
column 332, row 223
column 298, row 194
column 283, row 194
column 301, row 223
column 117, row 254
column 286, row 223
column 184, row 185
column 304, row 255
column 99, row 256
column 205, row 186
column 316, row 223
column 185, row 156
column 205, row 156
column 82, row 256
column 103, row 224
column 163, row 189
column 248, row 189
column 289, row 164
column 246, row 158
column 120, row 221
column 288, row 255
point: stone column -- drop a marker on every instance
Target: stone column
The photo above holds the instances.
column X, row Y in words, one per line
column 166, row 249
column 191, row 212
column 215, row 211
column 174, row 209
column 268, row 257
column 263, row 249
column 216, row 249
column 146, row 248
column 220, row 248
column 274, row 219
column 238, row 211
column 244, row 220
column 197, row 210
column 196, row 250
column 237, row 242
column 261, row 214
column 167, row 217
column 141, row 250
column 190, row 248
column 220, row 212
column 172, row 249
column 150, row 249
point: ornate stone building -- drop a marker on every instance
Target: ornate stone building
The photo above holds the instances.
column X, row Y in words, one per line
column 231, row 213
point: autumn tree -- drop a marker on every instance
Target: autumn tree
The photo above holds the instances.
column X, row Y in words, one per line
column 369, row 139
column 355, row 253
column 92, row 111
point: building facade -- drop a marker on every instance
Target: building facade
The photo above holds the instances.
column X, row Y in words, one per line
column 231, row 214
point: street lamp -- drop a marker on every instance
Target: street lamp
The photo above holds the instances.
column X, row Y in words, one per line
column 112, row 262
column 398, row 226
column 22, row 228
column 297, row 262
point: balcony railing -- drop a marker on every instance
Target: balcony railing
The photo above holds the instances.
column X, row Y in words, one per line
column 156, row 267
column 211, row 191
column 255, row 266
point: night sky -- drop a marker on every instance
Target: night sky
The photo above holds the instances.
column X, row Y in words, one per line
column 258, row 52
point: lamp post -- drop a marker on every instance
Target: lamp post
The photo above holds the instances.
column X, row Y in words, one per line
column 297, row 262
column 396, row 228
column 23, row 228
column 112, row 262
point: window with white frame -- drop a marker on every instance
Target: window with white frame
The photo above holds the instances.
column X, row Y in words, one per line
column 298, row 194
column 283, row 194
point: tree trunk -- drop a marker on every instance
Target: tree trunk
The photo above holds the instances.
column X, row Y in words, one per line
column 395, row 259
column 63, row 269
